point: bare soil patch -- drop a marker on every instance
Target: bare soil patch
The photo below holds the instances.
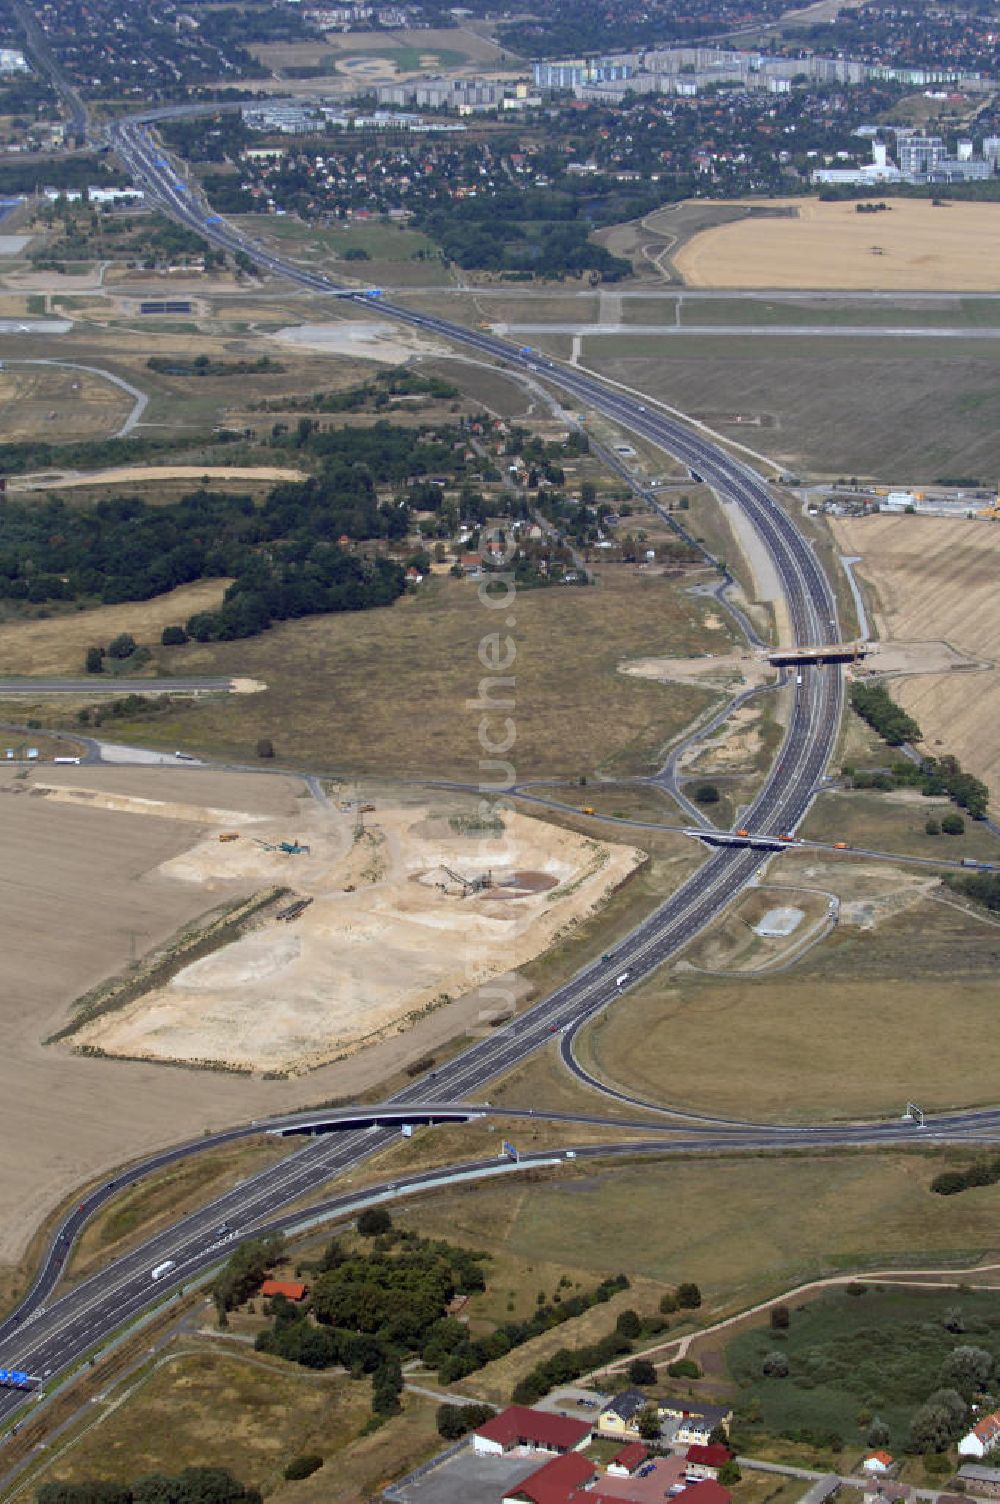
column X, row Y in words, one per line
column 938, row 577
column 916, row 246
column 724, row 671
column 369, row 341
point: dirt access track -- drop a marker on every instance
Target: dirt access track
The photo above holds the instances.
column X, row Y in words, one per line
column 88, row 883
column 915, row 246
column 125, row 475
column 937, row 577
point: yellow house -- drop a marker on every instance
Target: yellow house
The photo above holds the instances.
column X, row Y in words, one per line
column 695, row 1421
column 620, row 1417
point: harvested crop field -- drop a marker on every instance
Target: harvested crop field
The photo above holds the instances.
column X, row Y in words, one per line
column 81, row 889
column 913, row 246
column 392, row 929
column 937, row 577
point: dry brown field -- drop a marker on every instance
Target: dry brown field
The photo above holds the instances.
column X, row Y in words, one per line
column 387, row 693
column 937, row 577
column 58, row 644
column 61, row 405
column 915, row 246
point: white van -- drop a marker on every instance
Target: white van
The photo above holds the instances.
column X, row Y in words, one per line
column 621, row 980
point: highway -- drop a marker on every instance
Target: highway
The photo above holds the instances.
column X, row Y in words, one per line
column 51, row 1333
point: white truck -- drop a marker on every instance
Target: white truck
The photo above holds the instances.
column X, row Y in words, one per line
column 160, row 1271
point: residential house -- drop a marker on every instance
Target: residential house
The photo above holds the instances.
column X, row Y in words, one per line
column 705, row 1461
column 983, row 1438
column 695, row 1421
column 626, row 1462
column 620, row 1416
column 519, row 1428
column 556, row 1482
column 413, row 575
column 877, row 1462
column 291, row 1289
column 886, row 1491
column 472, row 565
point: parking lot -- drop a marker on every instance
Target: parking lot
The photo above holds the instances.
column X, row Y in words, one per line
column 468, row 1479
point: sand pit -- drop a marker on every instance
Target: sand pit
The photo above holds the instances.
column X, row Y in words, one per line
column 914, row 247
column 393, row 931
column 359, row 339
column 936, row 577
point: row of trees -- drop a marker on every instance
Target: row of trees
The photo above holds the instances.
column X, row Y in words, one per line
column 875, row 705
column 934, row 775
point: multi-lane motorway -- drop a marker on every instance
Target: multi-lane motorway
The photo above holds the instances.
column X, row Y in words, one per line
column 49, row 1334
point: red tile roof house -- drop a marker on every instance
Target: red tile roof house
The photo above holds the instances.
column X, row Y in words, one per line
column 705, row 1461
column 877, row 1462
column 631, row 1457
column 520, row 1428
column 291, row 1289
column 556, row 1482
column 653, row 1484
column 983, row 1438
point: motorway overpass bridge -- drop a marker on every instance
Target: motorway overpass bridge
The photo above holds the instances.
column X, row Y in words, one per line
column 827, row 652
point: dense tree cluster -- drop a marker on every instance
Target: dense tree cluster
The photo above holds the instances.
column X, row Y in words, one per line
column 195, row 1485
column 983, row 887
column 455, row 1421
column 952, row 1182
column 203, row 365
column 543, row 233
column 367, row 1310
column 285, row 557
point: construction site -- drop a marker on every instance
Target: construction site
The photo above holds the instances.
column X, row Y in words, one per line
column 387, row 911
